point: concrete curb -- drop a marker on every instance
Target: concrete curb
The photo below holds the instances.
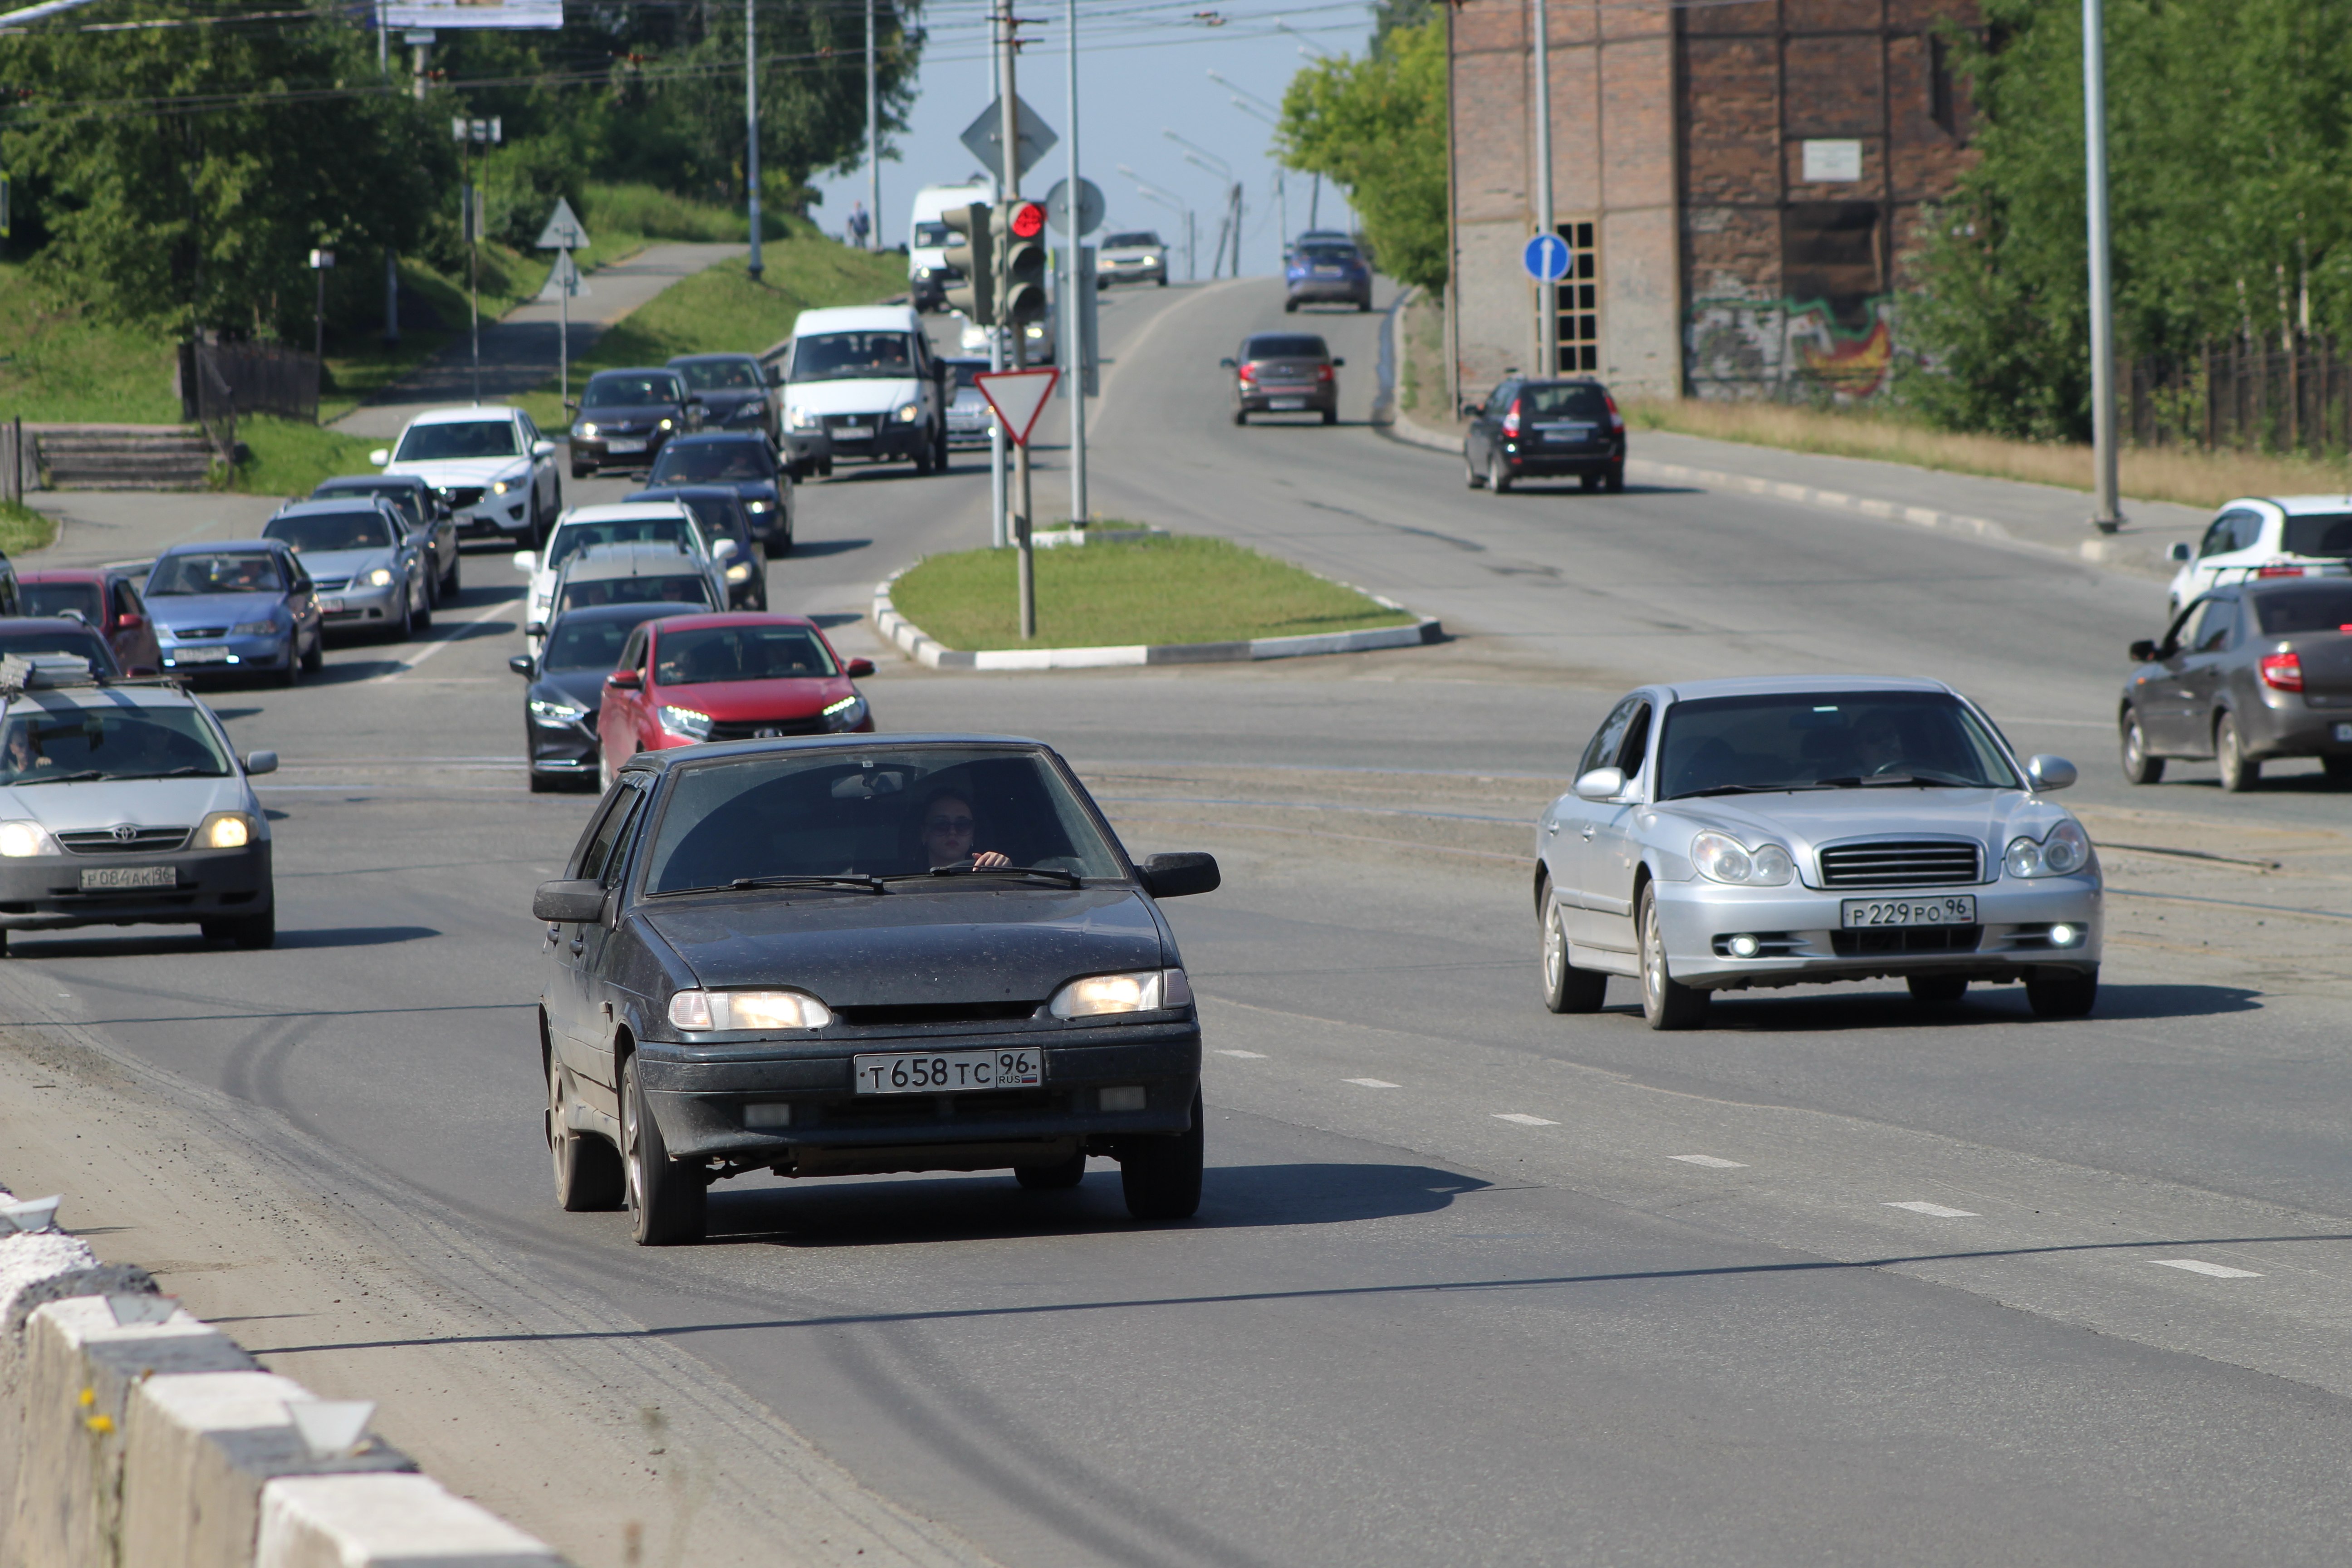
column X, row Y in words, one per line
column 923, row 648
column 164, row 1443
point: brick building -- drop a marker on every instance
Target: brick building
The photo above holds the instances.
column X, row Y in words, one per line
column 1737, row 181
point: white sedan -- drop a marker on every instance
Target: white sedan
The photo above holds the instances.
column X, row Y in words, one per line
column 488, row 463
column 2265, row 536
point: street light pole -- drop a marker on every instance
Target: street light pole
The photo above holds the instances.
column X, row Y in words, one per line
column 1546, row 291
column 2108, row 514
column 752, row 130
column 873, row 141
column 1072, row 337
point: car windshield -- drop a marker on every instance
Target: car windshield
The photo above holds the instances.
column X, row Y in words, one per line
column 77, row 644
column 623, row 391
column 2325, row 609
column 65, row 742
column 930, row 235
column 1136, row 241
column 853, row 356
column 593, row 642
column 892, row 811
column 964, row 370
column 325, row 530
column 721, row 375
column 704, row 462
column 1568, row 400
column 403, row 495
column 573, row 537
column 210, row 571
column 720, row 515
column 697, row 655
column 686, row 590
column 1827, row 739
column 455, row 442
column 2318, row 533
column 56, row 598
column 1284, row 346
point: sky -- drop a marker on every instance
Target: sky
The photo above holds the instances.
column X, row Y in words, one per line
column 1143, row 69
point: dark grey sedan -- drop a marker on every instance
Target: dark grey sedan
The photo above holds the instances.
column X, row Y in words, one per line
column 626, row 416
column 1285, row 372
column 2249, row 672
column 1545, row 429
column 737, row 392
column 852, row 956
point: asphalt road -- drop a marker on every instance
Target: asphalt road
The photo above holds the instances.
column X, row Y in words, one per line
column 1458, row 1292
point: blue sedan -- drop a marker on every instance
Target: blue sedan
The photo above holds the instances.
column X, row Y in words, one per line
column 1328, row 274
column 244, row 606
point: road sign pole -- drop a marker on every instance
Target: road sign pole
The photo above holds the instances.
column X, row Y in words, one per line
column 1000, row 470
column 1072, row 337
column 1546, row 291
column 2108, row 515
column 1009, row 154
column 752, row 135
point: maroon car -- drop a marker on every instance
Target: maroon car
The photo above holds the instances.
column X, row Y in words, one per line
column 102, row 598
column 726, row 676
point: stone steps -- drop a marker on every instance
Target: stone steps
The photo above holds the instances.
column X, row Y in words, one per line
column 126, row 458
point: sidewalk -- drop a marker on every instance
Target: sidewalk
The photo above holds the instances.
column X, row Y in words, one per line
column 519, row 350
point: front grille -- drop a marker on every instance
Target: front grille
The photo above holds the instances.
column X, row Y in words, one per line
column 331, row 584
column 1023, row 1104
column 937, row 1012
column 142, row 841
column 184, row 633
column 462, row 495
column 1905, row 939
column 1901, row 863
column 762, row 729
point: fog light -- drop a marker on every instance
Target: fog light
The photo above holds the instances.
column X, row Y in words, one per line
column 767, row 1116
column 1126, row 1097
column 1744, row 946
column 2064, row 935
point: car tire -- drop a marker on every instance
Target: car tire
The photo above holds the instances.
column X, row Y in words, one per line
column 668, row 1204
column 1240, row 416
column 1614, row 480
column 580, row 472
column 292, row 674
column 405, row 627
column 1666, row 1003
column 1567, row 989
column 2068, row 995
column 425, row 611
column 588, row 1174
column 1159, row 1176
column 2139, row 768
column 316, row 659
column 1471, row 477
column 450, row 586
column 1057, row 1177
column 1330, row 416
column 251, row 932
column 1499, row 477
column 1592, row 483
column 926, row 460
column 2337, row 767
column 1937, row 990
column 1290, row 307
column 2239, row 772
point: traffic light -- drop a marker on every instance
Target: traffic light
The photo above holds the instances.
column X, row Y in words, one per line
column 975, row 258
column 1021, row 263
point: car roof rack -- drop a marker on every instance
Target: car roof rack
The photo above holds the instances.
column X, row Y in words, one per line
column 20, row 673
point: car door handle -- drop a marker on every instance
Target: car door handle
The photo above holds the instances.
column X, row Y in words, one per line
column 1588, row 833
column 1551, row 827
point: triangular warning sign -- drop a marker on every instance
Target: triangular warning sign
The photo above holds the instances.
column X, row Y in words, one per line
column 563, row 280
column 1018, row 397
column 563, row 230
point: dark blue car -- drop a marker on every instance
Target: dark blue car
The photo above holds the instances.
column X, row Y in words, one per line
column 1321, row 273
column 744, row 461
column 235, row 607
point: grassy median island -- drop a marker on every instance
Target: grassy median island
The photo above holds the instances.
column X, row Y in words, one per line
column 1176, row 589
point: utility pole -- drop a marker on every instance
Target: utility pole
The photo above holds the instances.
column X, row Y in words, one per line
column 468, row 132
column 1009, row 153
column 320, row 261
column 2107, row 515
column 1074, row 310
column 872, row 140
column 752, row 130
column 1546, row 291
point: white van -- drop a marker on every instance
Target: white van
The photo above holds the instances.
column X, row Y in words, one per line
column 862, row 381
column 928, row 272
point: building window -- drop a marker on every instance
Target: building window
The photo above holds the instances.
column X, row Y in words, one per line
column 1831, row 255
column 1580, row 302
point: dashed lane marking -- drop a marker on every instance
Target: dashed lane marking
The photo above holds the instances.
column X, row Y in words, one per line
column 1246, row 1055
column 1937, row 1210
column 1523, row 1119
column 1709, row 1160
column 1373, row 1082
column 2199, row 1265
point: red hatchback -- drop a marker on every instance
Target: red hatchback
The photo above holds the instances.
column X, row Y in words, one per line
column 107, row 601
column 737, row 676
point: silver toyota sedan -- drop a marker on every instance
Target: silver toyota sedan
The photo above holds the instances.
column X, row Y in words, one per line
column 1728, row 834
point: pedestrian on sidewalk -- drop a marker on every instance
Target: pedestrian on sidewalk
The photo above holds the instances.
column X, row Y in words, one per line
column 860, row 224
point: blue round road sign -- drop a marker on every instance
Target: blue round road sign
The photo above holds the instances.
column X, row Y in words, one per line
column 1547, row 258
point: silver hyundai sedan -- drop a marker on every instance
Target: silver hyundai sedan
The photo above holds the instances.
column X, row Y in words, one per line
column 1728, row 834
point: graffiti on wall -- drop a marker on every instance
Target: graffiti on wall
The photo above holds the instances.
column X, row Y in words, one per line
column 1784, row 349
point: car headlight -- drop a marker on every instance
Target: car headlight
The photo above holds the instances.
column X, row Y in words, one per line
column 253, row 628
column 1139, row 993
column 665, row 424
column 801, row 419
column 910, row 412
column 757, row 406
column 19, row 840
column 585, row 430
column 739, row 572
column 846, row 714
column 2063, row 851
column 922, row 274
column 500, row 487
column 556, row 712
column 685, row 722
column 698, row 1010
column 755, row 507
column 379, row 578
column 223, row 830
column 1723, row 858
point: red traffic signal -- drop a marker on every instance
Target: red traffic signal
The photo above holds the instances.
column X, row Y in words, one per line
column 1028, row 220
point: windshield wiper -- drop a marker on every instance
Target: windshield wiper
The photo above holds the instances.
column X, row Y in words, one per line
column 82, row 777
column 185, row 771
column 1883, row 781
column 1749, row 789
column 1068, row 878
column 862, row 883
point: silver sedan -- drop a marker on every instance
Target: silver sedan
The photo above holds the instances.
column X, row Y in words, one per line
column 1729, row 833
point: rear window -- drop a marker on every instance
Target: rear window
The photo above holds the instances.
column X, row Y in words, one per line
column 1286, row 346
column 1330, row 255
column 713, row 462
column 686, row 590
column 1571, row 401
column 2308, row 610
column 575, row 537
column 328, row 531
column 2318, row 533
column 56, row 598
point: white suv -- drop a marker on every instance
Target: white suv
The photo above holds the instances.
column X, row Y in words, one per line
column 624, row 522
column 2282, row 536
column 489, row 464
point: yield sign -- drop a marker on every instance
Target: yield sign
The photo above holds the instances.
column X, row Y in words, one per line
column 563, row 230
column 1018, row 397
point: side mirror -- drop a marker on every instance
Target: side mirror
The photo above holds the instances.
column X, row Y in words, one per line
column 776, row 375
column 1178, row 875
column 1225, row 364
column 1602, row 784
column 567, row 903
column 1338, row 362
column 859, row 668
column 525, row 562
column 571, row 406
column 542, row 449
column 380, row 457
column 534, row 628
column 2177, row 552
column 2144, row 652
column 1472, row 410
column 625, row 680
column 722, row 550
column 2048, row 772
column 520, row 663
column 261, row 762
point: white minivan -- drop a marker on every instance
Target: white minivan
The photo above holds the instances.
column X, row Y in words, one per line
column 928, row 272
column 863, row 382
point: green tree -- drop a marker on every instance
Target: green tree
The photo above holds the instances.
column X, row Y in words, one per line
column 1377, row 127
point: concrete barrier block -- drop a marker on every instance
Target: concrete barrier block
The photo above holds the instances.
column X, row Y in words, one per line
column 198, row 1449
column 386, row 1521
column 75, row 1369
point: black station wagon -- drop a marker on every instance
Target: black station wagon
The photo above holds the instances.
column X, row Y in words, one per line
column 852, row 956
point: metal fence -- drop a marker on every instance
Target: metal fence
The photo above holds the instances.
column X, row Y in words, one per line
column 20, row 463
column 259, row 379
column 2238, row 398
column 211, row 401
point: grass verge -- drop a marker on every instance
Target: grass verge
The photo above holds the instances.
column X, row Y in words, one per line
column 23, row 529
column 1179, row 589
column 288, row 458
column 1420, row 371
column 2147, row 473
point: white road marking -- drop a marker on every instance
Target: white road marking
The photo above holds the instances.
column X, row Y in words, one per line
column 1373, row 1082
column 1523, row 1119
column 1709, row 1160
column 1937, row 1210
column 1246, row 1055
column 2197, row 1266
column 502, row 607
